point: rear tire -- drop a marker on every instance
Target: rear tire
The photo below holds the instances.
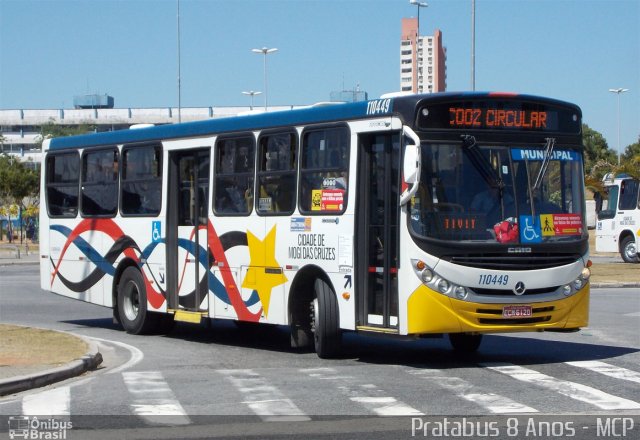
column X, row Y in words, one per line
column 325, row 321
column 465, row 342
column 629, row 250
column 132, row 304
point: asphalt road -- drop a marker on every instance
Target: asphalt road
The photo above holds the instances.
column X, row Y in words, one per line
column 221, row 381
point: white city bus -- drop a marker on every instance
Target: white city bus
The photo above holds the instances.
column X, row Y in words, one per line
column 618, row 227
column 454, row 213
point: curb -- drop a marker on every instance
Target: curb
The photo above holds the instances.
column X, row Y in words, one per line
column 90, row 361
column 613, row 285
column 17, row 261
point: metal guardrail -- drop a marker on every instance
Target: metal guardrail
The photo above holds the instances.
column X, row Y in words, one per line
column 16, row 251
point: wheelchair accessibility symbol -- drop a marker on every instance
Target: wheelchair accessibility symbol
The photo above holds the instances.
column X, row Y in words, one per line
column 156, row 235
column 530, row 229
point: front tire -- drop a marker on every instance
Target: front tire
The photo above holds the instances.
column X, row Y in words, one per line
column 629, row 250
column 326, row 321
column 132, row 303
column 465, row 342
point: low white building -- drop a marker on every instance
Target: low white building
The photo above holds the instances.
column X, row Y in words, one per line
column 20, row 128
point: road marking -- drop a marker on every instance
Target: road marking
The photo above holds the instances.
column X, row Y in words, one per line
column 54, row 402
column 573, row 390
column 493, row 402
column 136, row 354
column 367, row 395
column 633, row 315
column 608, row 370
column 153, row 400
column 265, row 400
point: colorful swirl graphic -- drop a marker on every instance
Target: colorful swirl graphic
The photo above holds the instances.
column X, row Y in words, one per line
column 123, row 244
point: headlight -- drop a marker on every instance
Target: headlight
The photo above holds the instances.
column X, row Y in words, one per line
column 461, row 292
column 426, row 276
column 443, row 285
column 578, row 283
column 566, row 290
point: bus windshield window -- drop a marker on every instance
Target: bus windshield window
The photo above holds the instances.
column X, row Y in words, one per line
column 459, row 201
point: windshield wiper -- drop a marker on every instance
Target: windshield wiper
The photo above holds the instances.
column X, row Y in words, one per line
column 551, row 142
column 481, row 163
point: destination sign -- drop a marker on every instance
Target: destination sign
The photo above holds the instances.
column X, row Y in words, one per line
column 493, row 117
column 499, row 115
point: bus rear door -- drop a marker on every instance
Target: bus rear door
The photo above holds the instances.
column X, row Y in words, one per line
column 187, row 219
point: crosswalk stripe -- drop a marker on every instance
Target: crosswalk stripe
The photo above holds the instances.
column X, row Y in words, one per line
column 153, row 400
column 573, row 390
column 608, row 370
column 265, row 400
column 53, row 402
column 493, row 402
column 367, row 395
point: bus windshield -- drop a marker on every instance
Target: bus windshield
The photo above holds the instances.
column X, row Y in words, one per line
column 495, row 193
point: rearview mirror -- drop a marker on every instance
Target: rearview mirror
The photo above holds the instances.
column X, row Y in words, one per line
column 411, row 164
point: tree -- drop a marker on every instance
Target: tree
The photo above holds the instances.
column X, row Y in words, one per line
column 51, row 130
column 631, row 159
column 596, row 150
column 19, row 187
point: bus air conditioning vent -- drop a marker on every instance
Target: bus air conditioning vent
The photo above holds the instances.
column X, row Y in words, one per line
column 509, row 292
column 513, row 262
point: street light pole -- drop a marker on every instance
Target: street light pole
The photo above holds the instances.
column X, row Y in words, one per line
column 179, row 85
column 419, row 5
column 252, row 94
column 473, row 45
column 265, row 52
column 618, row 91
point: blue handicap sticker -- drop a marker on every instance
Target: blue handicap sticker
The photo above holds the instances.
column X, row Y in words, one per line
column 530, row 229
column 156, row 234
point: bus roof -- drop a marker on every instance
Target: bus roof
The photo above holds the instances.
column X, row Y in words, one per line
column 400, row 105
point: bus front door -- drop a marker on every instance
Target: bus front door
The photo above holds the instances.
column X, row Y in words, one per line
column 187, row 219
column 377, row 231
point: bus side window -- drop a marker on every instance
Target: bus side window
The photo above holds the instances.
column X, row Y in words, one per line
column 62, row 179
column 141, row 189
column 629, row 194
column 234, row 175
column 99, row 183
column 324, row 171
column 277, row 174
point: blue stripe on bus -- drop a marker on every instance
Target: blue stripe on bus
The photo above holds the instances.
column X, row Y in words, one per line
column 337, row 112
column 89, row 251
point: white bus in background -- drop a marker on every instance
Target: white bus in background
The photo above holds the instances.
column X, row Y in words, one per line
column 618, row 228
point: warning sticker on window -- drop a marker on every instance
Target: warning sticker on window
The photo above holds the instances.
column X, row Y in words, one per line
column 560, row 224
column 327, row 199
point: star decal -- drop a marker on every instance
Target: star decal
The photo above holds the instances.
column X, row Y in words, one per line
column 264, row 271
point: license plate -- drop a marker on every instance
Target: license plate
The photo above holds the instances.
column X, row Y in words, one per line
column 516, row 312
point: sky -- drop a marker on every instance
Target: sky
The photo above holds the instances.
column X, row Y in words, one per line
column 573, row 50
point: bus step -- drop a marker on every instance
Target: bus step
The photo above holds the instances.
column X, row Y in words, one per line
column 187, row 316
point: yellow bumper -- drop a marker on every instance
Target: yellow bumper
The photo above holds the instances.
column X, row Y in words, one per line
column 433, row 312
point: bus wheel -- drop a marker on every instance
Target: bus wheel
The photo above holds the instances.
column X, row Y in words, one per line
column 629, row 250
column 465, row 342
column 325, row 321
column 132, row 303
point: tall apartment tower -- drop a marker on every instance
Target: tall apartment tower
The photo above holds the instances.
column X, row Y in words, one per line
column 422, row 60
